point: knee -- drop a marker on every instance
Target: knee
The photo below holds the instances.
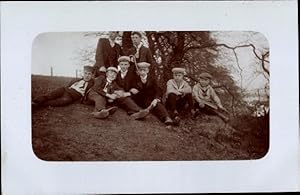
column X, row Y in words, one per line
column 66, row 100
column 189, row 95
column 172, row 96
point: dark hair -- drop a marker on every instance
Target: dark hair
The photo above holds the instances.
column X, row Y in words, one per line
column 136, row 33
column 89, row 69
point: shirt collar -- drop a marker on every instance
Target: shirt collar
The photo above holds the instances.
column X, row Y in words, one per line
column 144, row 79
column 123, row 74
column 111, row 42
column 109, row 81
column 139, row 46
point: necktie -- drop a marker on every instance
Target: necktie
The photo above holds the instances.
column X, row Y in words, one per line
column 107, row 87
column 83, row 85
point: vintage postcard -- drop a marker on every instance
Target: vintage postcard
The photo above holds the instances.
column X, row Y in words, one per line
column 149, row 97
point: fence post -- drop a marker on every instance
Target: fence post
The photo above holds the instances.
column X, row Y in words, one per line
column 51, row 71
column 76, row 73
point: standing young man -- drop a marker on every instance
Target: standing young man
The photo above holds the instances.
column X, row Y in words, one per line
column 107, row 53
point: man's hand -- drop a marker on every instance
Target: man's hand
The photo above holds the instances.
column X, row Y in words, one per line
column 221, row 107
column 112, row 96
column 181, row 92
column 178, row 93
column 154, row 102
column 134, row 91
column 126, row 94
column 201, row 104
column 119, row 93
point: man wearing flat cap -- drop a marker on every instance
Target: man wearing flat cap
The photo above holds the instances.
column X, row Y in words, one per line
column 75, row 90
column 206, row 98
column 179, row 93
column 126, row 76
column 107, row 95
column 107, row 53
column 148, row 95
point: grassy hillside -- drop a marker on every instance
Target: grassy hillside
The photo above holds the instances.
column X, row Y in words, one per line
column 70, row 134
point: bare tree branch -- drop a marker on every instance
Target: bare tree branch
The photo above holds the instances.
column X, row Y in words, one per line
column 263, row 63
column 241, row 70
column 229, row 47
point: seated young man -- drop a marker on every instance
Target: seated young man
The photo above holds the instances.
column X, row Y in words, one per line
column 106, row 90
column 147, row 93
column 207, row 100
column 179, row 93
column 74, row 91
column 126, row 75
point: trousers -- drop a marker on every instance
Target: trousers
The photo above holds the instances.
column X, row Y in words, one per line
column 56, row 98
column 125, row 103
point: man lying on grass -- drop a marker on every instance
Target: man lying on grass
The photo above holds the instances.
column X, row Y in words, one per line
column 64, row 96
column 107, row 95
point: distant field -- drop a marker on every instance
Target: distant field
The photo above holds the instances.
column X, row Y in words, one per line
column 70, row 134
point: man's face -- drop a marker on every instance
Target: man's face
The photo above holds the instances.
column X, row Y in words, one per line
column 87, row 75
column 204, row 82
column 136, row 39
column 111, row 75
column 124, row 66
column 178, row 76
column 143, row 71
column 112, row 35
column 118, row 40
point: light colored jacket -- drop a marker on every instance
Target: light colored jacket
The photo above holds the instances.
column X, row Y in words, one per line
column 172, row 87
column 207, row 94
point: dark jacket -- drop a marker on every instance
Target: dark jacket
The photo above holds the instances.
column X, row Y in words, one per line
column 74, row 92
column 145, row 55
column 106, row 55
column 100, row 83
column 147, row 92
column 128, row 81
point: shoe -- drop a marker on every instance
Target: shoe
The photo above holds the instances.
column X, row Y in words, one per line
column 112, row 110
column 174, row 114
column 169, row 121
column 35, row 106
column 176, row 120
column 101, row 114
column 195, row 114
column 39, row 100
column 140, row 115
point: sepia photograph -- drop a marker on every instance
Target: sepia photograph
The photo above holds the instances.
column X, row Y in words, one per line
column 150, row 95
column 160, row 97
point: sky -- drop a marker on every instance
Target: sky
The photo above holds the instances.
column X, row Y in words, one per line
column 61, row 52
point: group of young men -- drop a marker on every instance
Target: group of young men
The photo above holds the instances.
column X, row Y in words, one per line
column 126, row 81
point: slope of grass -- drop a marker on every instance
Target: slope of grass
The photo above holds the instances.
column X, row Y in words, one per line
column 71, row 134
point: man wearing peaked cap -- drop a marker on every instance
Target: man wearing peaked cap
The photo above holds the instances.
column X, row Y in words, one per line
column 112, row 69
column 124, row 58
column 179, row 70
column 205, row 75
column 75, row 90
column 179, row 94
column 143, row 65
column 206, row 99
column 148, row 94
